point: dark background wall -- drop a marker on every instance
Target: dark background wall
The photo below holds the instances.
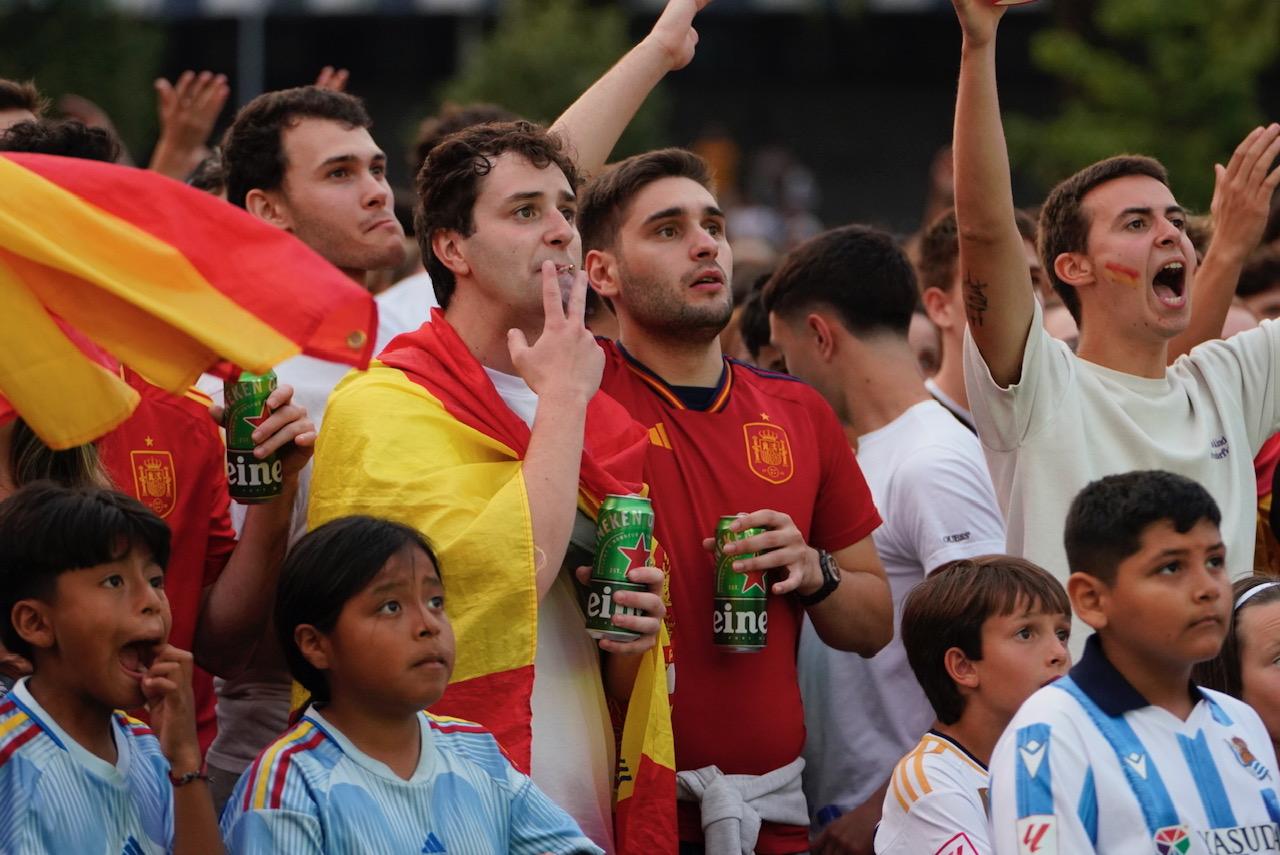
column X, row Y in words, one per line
column 864, row 101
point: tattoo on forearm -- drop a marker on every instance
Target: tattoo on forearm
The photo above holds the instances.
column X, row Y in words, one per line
column 975, row 300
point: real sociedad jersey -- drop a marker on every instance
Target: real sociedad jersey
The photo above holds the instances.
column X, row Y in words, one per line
column 313, row 791
column 1087, row 765
column 59, row 798
column 936, row 803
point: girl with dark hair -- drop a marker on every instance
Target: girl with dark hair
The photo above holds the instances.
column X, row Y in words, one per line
column 360, row 614
column 1248, row 666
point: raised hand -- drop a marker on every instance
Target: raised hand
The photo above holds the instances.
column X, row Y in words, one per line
column 333, row 78
column 188, row 111
column 674, row 31
column 1243, row 190
column 979, row 19
column 288, row 430
column 565, row 360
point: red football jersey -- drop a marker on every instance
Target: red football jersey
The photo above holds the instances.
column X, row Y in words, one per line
column 765, row 440
column 170, row 455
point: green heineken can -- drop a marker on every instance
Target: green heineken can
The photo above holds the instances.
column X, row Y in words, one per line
column 740, row 620
column 249, row 480
column 624, row 538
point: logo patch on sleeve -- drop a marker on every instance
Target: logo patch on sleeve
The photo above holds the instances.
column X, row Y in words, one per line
column 1038, row 835
column 958, row 845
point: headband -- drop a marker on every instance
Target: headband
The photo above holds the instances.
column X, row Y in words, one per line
column 1245, row 597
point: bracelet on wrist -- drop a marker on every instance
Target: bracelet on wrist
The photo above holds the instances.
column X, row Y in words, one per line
column 183, row 780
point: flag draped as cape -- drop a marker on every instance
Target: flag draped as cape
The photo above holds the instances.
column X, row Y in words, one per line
column 167, row 279
column 424, row 438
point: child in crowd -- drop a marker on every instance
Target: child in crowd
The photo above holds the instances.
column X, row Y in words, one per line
column 981, row 636
column 1248, row 667
column 361, row 618
column 1126, row 754
column 82, row 598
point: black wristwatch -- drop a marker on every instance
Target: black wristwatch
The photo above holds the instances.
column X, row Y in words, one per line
column 830, row 580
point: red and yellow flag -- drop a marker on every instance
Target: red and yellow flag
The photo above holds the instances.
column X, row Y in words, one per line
column 167, row 279
column 424, row 438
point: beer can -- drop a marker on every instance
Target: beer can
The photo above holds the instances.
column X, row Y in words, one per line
column 740, row 620
column 249, row 480
column 624, row 538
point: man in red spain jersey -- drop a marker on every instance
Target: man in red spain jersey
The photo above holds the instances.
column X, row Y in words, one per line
column 728, row 438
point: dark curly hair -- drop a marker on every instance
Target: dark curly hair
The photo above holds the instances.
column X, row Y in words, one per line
column 252, row 150
column 63, row 137
column 449, row 183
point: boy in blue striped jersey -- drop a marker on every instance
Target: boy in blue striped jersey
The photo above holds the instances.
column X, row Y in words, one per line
column 360, row 616
column 82, row 597
column 1177, row 769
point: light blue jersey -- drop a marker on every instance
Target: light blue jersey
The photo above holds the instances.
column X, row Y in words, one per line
column 313, row 791
column 1087, row 765
column 58, row 798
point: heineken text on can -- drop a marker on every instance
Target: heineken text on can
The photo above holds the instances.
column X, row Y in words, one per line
column 250, row 480
column 624, row 535
column 740, row 621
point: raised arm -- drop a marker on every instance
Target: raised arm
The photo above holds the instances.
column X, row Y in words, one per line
column 564, row 367
column 998, row 296
column 1241, row 203
column 592, row 124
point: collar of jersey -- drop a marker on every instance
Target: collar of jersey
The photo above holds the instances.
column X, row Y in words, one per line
column 426, row 756
column 664, row 390
column 1107, row 687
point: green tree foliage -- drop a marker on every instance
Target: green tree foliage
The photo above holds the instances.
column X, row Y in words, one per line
column 543, row 54
column 85, row 48
column 1176, row 79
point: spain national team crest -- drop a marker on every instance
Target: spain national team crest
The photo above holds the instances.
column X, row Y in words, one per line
column 769, row 451
column 155, row 481
column 1172, row 840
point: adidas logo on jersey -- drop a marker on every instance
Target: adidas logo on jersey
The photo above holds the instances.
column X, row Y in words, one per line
column 132, row 847
column 433, row 846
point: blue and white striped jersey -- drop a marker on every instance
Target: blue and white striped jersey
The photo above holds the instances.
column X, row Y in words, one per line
column 59, row 798
column 313, row 791
column 1087, row 765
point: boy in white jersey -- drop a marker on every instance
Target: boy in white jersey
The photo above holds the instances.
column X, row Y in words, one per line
column 82, row 598
column 981, row 635
column 1126, row 754
column 360, row 615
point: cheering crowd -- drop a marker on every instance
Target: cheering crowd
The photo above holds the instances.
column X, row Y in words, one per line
column 1019, row 593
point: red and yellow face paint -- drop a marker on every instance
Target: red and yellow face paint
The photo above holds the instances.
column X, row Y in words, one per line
column 1123, row 274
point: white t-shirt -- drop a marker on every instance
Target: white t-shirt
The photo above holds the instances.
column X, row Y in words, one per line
column 936, row 803
column 1060, row 787
column 572, row 756
column 253, row 707
column 950, row 403
column 404, row 307
column 1068, row 422
column 931, row 485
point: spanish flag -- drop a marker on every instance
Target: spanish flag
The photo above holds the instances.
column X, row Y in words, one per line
column 167, row 279
column 424, row 438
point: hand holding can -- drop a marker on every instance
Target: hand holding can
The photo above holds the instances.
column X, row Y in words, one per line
column 740, row 620
column 624, row 540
